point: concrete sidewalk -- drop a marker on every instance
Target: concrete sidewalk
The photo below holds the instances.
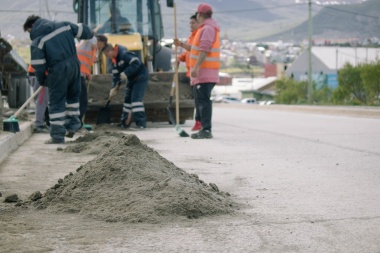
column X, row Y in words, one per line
column 9, row 141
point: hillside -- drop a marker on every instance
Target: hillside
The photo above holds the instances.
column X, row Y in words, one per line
column 239, row 19
column 344, row 21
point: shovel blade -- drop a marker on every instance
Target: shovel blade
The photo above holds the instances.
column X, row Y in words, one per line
column 171, row 116
column 104, row 116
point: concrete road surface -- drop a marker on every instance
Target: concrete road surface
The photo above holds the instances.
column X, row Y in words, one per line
column 307, row 182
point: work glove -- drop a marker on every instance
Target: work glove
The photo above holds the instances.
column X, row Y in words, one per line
column 113, row 91
column 123, row 77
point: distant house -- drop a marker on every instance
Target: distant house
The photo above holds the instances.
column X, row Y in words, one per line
column 327, row 61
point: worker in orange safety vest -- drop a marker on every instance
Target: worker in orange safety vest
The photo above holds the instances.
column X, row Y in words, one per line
column 86, row 52
column 205, row 65
column 185, row 57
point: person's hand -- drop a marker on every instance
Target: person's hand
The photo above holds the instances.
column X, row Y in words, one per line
column 177, row 42
column 113, row 92
column 194, row 72
column 96, row 29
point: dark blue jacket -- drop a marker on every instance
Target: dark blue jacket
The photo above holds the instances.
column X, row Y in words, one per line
column 53, row 42
column 127, row 62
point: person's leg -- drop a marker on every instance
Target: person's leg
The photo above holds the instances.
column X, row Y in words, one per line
column 205, row 104
column 57, row 81
column 138, row 92
column 127, row 106
column 197, row 114
column 198, row 124
column 39, row 113
column 73, row 93
column 205, row 109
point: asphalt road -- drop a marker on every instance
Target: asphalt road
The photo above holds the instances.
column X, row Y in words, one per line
column 307, row 182
column 311, row 181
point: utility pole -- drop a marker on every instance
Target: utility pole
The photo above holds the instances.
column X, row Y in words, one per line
column 310, row 71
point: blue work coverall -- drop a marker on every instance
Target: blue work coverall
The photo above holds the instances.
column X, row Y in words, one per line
column 54, row 58
column 138, row 78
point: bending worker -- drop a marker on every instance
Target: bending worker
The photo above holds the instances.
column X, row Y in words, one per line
column 127, row 65
column 53, row 50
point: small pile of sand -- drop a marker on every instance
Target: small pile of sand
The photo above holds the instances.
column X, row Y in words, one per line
column 93, row 143
column 131, row 182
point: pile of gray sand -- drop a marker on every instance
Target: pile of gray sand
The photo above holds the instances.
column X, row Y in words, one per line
column 131, row 182
column 93, row 143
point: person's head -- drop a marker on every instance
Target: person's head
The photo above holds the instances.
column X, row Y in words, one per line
column 93, row 42
column 101, row 41
column 193, row 23
column 30, row 22
column 109, row 51
column 204, row 11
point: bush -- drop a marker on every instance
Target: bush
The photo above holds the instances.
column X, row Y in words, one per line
column 289, row 91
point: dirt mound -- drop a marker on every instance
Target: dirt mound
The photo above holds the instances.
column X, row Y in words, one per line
column 131, row 182
column 158, row 88
column 93, row 143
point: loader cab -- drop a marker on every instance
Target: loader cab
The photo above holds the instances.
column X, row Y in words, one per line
column 135, row 24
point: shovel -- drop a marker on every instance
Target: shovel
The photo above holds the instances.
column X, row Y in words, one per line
column 178, row 128
column 104, row 114
column 171, row 116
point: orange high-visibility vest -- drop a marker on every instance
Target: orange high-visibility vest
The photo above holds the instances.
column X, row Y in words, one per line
column 185, row 56
column 86, row 56
column 212, row 60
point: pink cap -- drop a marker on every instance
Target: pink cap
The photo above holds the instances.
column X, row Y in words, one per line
column 204, row 8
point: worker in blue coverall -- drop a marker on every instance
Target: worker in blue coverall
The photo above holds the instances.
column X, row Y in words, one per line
column 126, row 65
column 53, row 51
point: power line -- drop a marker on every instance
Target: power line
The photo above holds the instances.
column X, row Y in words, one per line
column 245, row 10
column 350, row 12
column 260, row 9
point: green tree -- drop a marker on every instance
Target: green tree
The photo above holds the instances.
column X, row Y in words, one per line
column 322, row 95
column 350, row 85
column 289, row 91
column 370, row 75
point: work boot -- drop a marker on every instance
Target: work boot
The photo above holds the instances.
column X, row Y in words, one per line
column 54, row 141
column 41, row 129
column 69, row 134
column 197, row 126
column 203, row 134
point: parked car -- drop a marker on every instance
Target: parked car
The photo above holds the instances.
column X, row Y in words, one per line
column 249, row 101
column 262, row 102
column 230, row 100
column 224, row 99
